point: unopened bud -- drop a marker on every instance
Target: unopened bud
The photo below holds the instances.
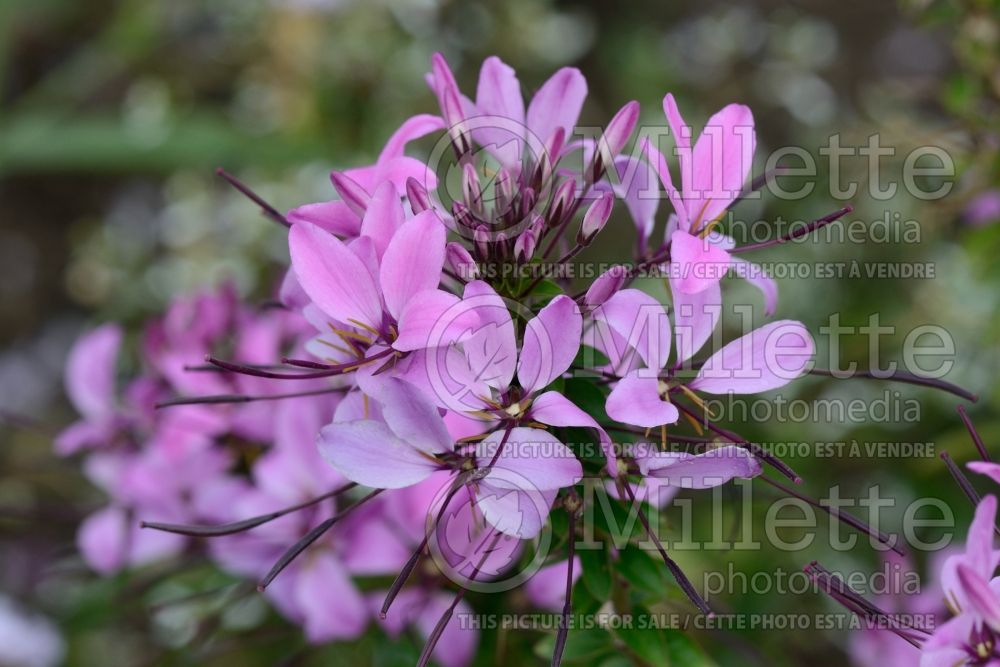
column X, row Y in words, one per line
column 472, row 191
column 417, row 195
column 355, row 196
column 605, row 286
column 614, row 138
column 481, row 238
column 524, row 246
column 460, row 261
column 595, row 218
column 562, row 200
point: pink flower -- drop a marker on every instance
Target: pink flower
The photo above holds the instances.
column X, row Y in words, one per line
column 411, row 442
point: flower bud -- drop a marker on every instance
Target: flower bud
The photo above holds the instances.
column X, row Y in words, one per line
column 481, row 238
column 615, row 137
column 562, row 200
column 458, row 259
column 503, row 191
column 355, row 196
column 605, row 286
column 595, row 218
column 417, row 195
column 472, row 191
column 524, row 246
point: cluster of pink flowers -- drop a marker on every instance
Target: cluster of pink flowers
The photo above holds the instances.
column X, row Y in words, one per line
column 416, row 366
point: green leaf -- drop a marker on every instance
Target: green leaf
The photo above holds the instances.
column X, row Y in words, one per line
column 596, row 572
column 581, row 645
column 684, row 651
column 650, row 646
column 642, row 570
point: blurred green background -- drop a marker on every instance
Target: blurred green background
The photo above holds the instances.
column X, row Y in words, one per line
column 113, row 116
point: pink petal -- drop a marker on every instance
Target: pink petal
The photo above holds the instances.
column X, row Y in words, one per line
column 91, row 370
column 410, row 415
column 335, row 279
column 755, row 275
column 368, row 453
column 638, row 187
column 434, row 318
column 695, row 318
column 992, row 470
column 413, row 261
column 659, row 164
column 701, row 471
column 532, row 459
column 498, row 97
column 554, row 409
column 101, row 540
column 643, row 323
column 334, row 216
column 766, row 358
column 721, row 160
column 605, row 286
column 331, row 607
column 551, row 341
column 413, row 128
column 492, row 349
column 636, row 400
column 383, row 217
column 557, row 104
column 697, row 263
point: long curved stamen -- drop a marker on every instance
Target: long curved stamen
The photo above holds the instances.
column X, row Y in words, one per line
column 798, row 232
column 268, row 210
column 902, row 376
column 307, row 540
column 337, row 369
column 974, row 434
column 572, row 505
column 753, row 448
column 850, row 520
column 246, row 524
column 442, row 623
column 675, row 570
column 240, row 398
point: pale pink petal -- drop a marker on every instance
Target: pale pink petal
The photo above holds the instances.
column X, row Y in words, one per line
column 696, row 264
column 383, row 217
column 331, row 606
column 992, row 470
column 980, row 598
column 410, row 415
column 102, row 539
column 764, row 359
column 413, row 128
column 91, row 370
column 368, row 453
column 498, row 97
column 695, row 318
column 434, row 318
column 492, row 349
column 532, row 459
column 700, row 471
column 636, row 400
column 722, row 158
column 554, row 409
column 643, row 323
column 334, row 216
column 638, row 187
column 557, row 104
column 946, row 647
column 754, row 274
column 551, row 341
column 336, row 280
column 659, row 164
column 413, row 261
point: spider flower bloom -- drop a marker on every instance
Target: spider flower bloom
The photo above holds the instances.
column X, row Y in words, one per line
column 498, row 117
column 516, row 473
column 767, row 358
column 391, row 295
column 970, row 587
